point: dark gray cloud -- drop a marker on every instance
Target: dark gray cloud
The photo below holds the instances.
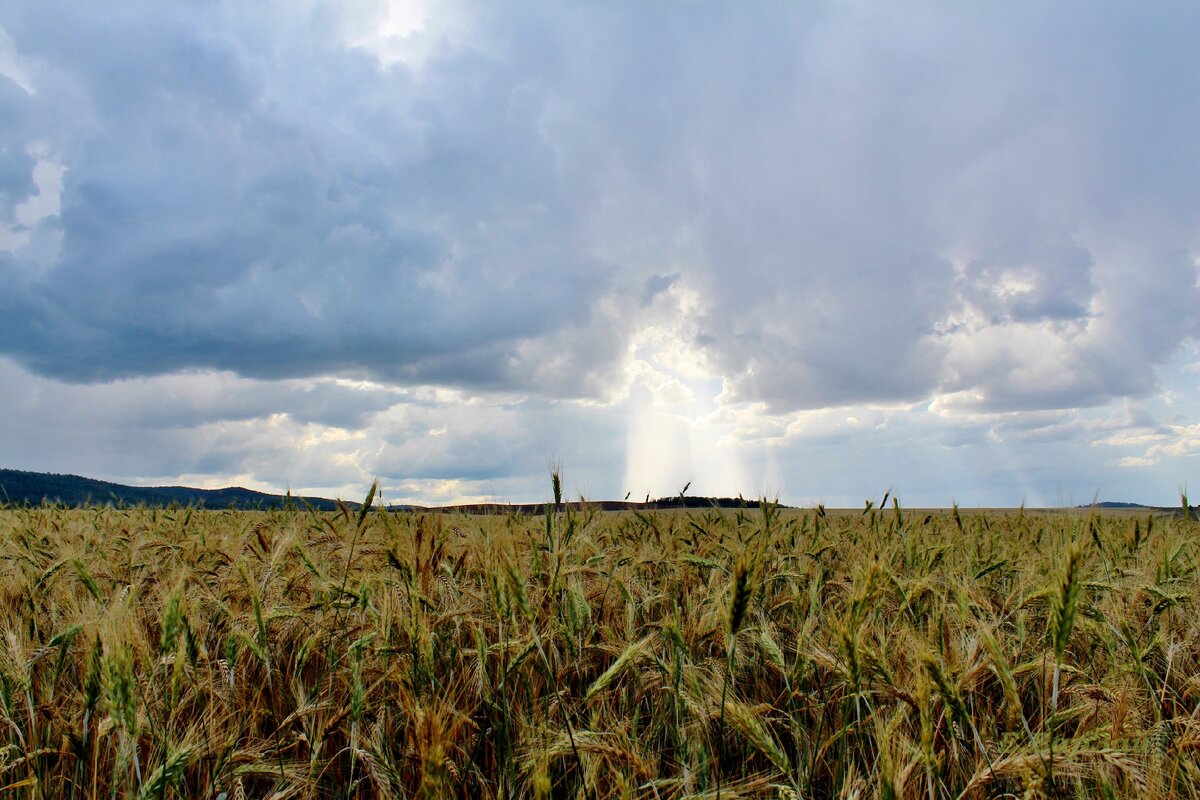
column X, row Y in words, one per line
column 869, row 203
column 286, row 206
column 1021, row 283
column 191, row 401
column 16, row 180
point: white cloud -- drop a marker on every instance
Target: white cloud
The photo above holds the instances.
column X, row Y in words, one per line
column 1185, row 441
column 1136, row 461
column 1132, row 438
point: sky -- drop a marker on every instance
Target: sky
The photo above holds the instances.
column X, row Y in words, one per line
column 812, row 251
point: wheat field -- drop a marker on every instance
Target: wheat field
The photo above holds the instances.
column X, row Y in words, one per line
column 763, row 653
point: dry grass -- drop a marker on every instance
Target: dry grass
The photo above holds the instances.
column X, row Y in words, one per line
column 213, row 654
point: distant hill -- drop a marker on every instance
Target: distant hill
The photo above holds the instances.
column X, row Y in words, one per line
column 20, row 487
column 1195, row 510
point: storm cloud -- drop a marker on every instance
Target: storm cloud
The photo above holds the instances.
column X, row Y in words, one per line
column 971, row 212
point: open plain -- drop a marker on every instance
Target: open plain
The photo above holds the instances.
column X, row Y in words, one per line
column 585, row 654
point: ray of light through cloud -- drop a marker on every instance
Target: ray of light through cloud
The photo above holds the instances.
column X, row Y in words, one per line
column 816, row 250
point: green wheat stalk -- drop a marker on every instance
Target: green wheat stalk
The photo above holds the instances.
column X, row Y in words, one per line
column 1064, row 607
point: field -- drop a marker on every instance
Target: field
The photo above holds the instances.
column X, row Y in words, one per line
column 581, row 654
